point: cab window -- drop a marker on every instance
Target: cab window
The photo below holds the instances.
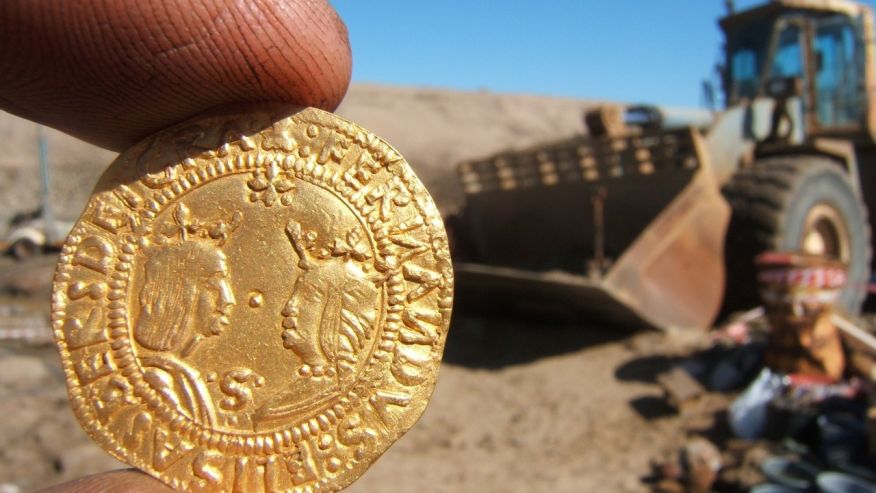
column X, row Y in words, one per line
column 838, row 73
column 788, row 58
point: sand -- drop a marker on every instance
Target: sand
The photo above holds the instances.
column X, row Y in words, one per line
column 521, row 405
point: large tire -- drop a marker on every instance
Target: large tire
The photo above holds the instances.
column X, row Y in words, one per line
column 796, row 203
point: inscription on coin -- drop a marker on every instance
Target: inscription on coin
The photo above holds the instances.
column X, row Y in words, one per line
column 254, row 303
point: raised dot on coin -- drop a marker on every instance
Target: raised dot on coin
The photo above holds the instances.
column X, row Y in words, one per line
column 333, row 464
column 256, row 299
column 325, row 441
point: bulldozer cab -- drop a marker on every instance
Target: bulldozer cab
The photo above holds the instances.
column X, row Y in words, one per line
column 815, row 52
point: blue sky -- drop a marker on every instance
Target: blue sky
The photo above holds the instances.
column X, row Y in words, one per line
column 655, row 51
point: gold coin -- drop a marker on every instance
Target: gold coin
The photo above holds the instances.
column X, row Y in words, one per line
column 254, row 302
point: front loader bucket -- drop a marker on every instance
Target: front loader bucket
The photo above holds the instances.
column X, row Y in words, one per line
column 631, row 228
column 673, row 274
column 555, row 288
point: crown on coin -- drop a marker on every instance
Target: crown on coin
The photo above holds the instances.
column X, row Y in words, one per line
column 185, row 228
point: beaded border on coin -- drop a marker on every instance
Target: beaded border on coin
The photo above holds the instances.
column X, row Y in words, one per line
column 129, row 418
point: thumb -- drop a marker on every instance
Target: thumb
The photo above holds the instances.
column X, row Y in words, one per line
column 113, row 71
column 128, row 481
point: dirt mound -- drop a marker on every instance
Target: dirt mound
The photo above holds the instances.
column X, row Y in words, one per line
column 433, row 128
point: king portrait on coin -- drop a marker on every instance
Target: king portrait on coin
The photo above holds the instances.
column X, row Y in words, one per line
column 254, row 301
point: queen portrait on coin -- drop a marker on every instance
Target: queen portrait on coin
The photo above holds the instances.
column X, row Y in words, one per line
column 326, row 322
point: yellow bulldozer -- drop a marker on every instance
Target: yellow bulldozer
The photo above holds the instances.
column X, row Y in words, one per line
column 656, row 215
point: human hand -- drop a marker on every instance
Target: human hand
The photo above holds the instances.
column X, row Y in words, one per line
column 126, row 480
column 114, row 71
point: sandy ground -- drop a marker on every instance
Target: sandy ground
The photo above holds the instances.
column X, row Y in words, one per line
column 560, row 421
column 526, row 402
